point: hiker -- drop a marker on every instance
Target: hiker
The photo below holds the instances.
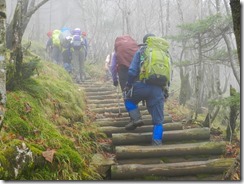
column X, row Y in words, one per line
column 65, row 33
column 67, row 54
column 84, row 36
column 56, row 50
column 124, row 49
column 138, row 90
column 107, row 66
column 78, row 55
column 49, row 44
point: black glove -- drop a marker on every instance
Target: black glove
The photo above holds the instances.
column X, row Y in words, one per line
column 166, row 93
column 126, row 89
column 115, row 83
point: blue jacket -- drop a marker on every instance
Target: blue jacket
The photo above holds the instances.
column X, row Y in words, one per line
column 134, row 69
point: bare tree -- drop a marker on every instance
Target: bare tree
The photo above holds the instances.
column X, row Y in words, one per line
column 22, row 15
column 167, row 18
column 15, row 30
column 161, row 20
column 185, row 88
column 125, row 16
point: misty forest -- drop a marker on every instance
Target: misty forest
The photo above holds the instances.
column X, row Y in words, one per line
column 63, row 118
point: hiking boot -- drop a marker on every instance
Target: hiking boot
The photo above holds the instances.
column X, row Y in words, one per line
column 136, row 120
column 156, row 142
column 132, row 125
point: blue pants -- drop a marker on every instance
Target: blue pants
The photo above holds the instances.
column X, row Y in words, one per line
column 153, row 95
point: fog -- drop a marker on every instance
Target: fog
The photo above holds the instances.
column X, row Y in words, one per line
column 104, row 20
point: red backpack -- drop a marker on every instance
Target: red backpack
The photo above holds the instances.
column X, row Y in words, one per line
column 125, row 48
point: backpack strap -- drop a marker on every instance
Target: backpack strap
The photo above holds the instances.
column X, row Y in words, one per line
column 142, row 55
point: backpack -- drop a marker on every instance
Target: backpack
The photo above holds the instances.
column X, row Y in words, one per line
column 63, row 35
column 155, row 62
column 125, row 48
column 77, row 42
column 76, row 31
column 66, row 43
column 55, row 37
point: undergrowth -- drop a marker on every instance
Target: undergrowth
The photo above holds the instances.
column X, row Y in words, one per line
column 47, row 114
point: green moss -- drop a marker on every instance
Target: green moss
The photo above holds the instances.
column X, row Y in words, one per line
column 42, row 112
column 4, row 166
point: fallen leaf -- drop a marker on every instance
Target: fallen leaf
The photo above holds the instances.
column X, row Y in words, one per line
column 27, row 107
column 48, row 155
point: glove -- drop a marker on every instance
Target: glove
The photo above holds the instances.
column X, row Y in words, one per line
column 115, row 83
column 166, row 93
column 126, row 90
column 127, row 87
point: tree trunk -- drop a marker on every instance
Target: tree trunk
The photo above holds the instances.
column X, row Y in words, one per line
column 211, row 117
column 236, row 71
column 2, row 60
column 234, row 170
column 233, row 116
column 227, row 7
column 161, row 20
column 21, row 18
column 199, row 79
column 15, row 32
column 236, row 17
column 185, row 89
column 167, row 18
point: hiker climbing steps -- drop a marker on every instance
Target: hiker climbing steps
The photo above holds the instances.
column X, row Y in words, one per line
column 186, row 154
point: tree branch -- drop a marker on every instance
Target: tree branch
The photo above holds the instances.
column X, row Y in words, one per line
column 30, row 12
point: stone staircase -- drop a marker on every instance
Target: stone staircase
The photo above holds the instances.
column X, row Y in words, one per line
column 186, row 154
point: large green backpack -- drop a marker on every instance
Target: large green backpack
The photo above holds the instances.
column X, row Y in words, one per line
column 155, row 62
column 55, row 37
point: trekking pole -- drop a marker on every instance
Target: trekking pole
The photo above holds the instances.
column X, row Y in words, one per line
column 118, row 101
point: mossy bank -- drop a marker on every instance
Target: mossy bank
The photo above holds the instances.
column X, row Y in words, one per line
column 46, row 134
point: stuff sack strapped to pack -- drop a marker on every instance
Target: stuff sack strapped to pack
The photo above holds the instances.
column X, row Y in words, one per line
column 65, row 33
column 77, row 42
column 155, row 62
column 125, row 48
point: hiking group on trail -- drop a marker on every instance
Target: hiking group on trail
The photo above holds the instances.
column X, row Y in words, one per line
column 143, row 73
column 68, row 48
